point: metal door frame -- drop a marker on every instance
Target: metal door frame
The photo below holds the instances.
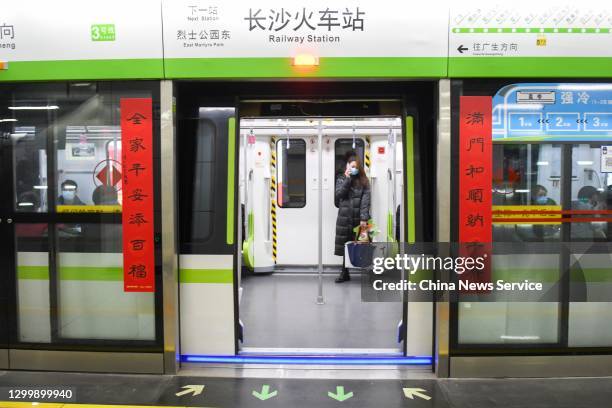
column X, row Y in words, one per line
column 89, row 355
column 320, row 300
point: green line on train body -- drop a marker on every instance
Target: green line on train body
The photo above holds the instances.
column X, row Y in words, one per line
column 329, row 67
column 206, row 276
column 231, row 172
column 225, row 275
column 33, row 272
column 74, row 70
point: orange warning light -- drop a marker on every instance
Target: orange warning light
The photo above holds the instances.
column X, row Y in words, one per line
column 305, row 60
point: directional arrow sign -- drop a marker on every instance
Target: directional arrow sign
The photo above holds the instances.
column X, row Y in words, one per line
column 188, row 389
column 461, row 48
column 416, row 392
column 339, row 395
column 265, row 393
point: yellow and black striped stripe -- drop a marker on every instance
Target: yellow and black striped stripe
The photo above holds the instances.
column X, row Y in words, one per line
column 273, row 194
column 367, row 160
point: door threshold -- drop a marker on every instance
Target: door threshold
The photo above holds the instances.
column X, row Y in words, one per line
column 319, row 351
column 311, row 360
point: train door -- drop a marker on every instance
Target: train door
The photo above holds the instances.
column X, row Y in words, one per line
column 288, row 170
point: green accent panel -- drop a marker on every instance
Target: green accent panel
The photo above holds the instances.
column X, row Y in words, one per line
column 419, row 275
column 90, row 273
column 523, row 67
column 390, row 235
column 75, row 70
column 544, row 275
column 552, row 275
column 206, row 276
column 329, row 67
column 410, row 188
column 248, row 253
column 592, row 275
column 33, row 272
column 231, row 164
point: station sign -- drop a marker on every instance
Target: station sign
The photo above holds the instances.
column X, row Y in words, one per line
column 275, row 28
column 555, row 112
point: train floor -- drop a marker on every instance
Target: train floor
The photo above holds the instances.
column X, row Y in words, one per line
column 279, row 311
column 96, row 390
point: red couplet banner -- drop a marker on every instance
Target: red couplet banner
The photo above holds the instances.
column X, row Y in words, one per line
column 475, row 182
column 137, row 178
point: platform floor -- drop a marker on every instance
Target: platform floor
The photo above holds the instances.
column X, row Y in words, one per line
column 148, row 390
column 280, row 311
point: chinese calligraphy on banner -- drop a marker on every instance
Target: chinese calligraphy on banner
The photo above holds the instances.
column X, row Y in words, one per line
column 137, row 165
column 475, row 182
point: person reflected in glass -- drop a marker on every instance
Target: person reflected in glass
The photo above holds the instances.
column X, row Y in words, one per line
column 68, row 196
column 352, row 195
column 588, row 199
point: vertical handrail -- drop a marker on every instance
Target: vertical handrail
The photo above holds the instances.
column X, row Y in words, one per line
column 320, row 299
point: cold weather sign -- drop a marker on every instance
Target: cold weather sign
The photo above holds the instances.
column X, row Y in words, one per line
column 274, row 28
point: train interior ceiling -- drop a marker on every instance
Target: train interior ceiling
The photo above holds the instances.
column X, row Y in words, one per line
column 291, row 150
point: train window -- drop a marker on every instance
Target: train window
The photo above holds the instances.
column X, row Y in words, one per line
column 88, row 168
column 203, row 185
column 343, row 148
column 291, row 173
column 591, row 191
column 30, row 161
column 526, row 177
column 66, row 141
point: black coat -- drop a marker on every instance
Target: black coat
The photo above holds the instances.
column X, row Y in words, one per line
column 353, row 202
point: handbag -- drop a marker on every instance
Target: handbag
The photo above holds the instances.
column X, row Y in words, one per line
column 361, row 251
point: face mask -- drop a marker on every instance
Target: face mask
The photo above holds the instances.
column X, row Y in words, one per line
column 68, row 195
column 354, row 171
column 542, row 200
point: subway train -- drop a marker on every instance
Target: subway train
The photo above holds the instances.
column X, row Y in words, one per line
column 168, row 191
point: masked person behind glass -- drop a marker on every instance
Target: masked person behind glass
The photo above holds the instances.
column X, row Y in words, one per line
column 352, row 195
column 539, row 196
column 69, row 194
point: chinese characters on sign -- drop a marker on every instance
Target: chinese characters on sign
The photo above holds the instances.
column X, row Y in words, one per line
column 328, row 19
column 203, row 31
column 475, row 182
column 494, row 48
column 137, row 166
column 288, row 23
column 7, row 36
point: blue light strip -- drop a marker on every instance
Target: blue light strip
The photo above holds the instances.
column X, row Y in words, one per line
column 421, row 360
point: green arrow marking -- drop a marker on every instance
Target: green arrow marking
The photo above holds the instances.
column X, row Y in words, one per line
column 416, row 392
column 265, row 393
column 339, row 395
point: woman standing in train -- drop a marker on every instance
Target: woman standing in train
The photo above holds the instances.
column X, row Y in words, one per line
column 352, row 195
